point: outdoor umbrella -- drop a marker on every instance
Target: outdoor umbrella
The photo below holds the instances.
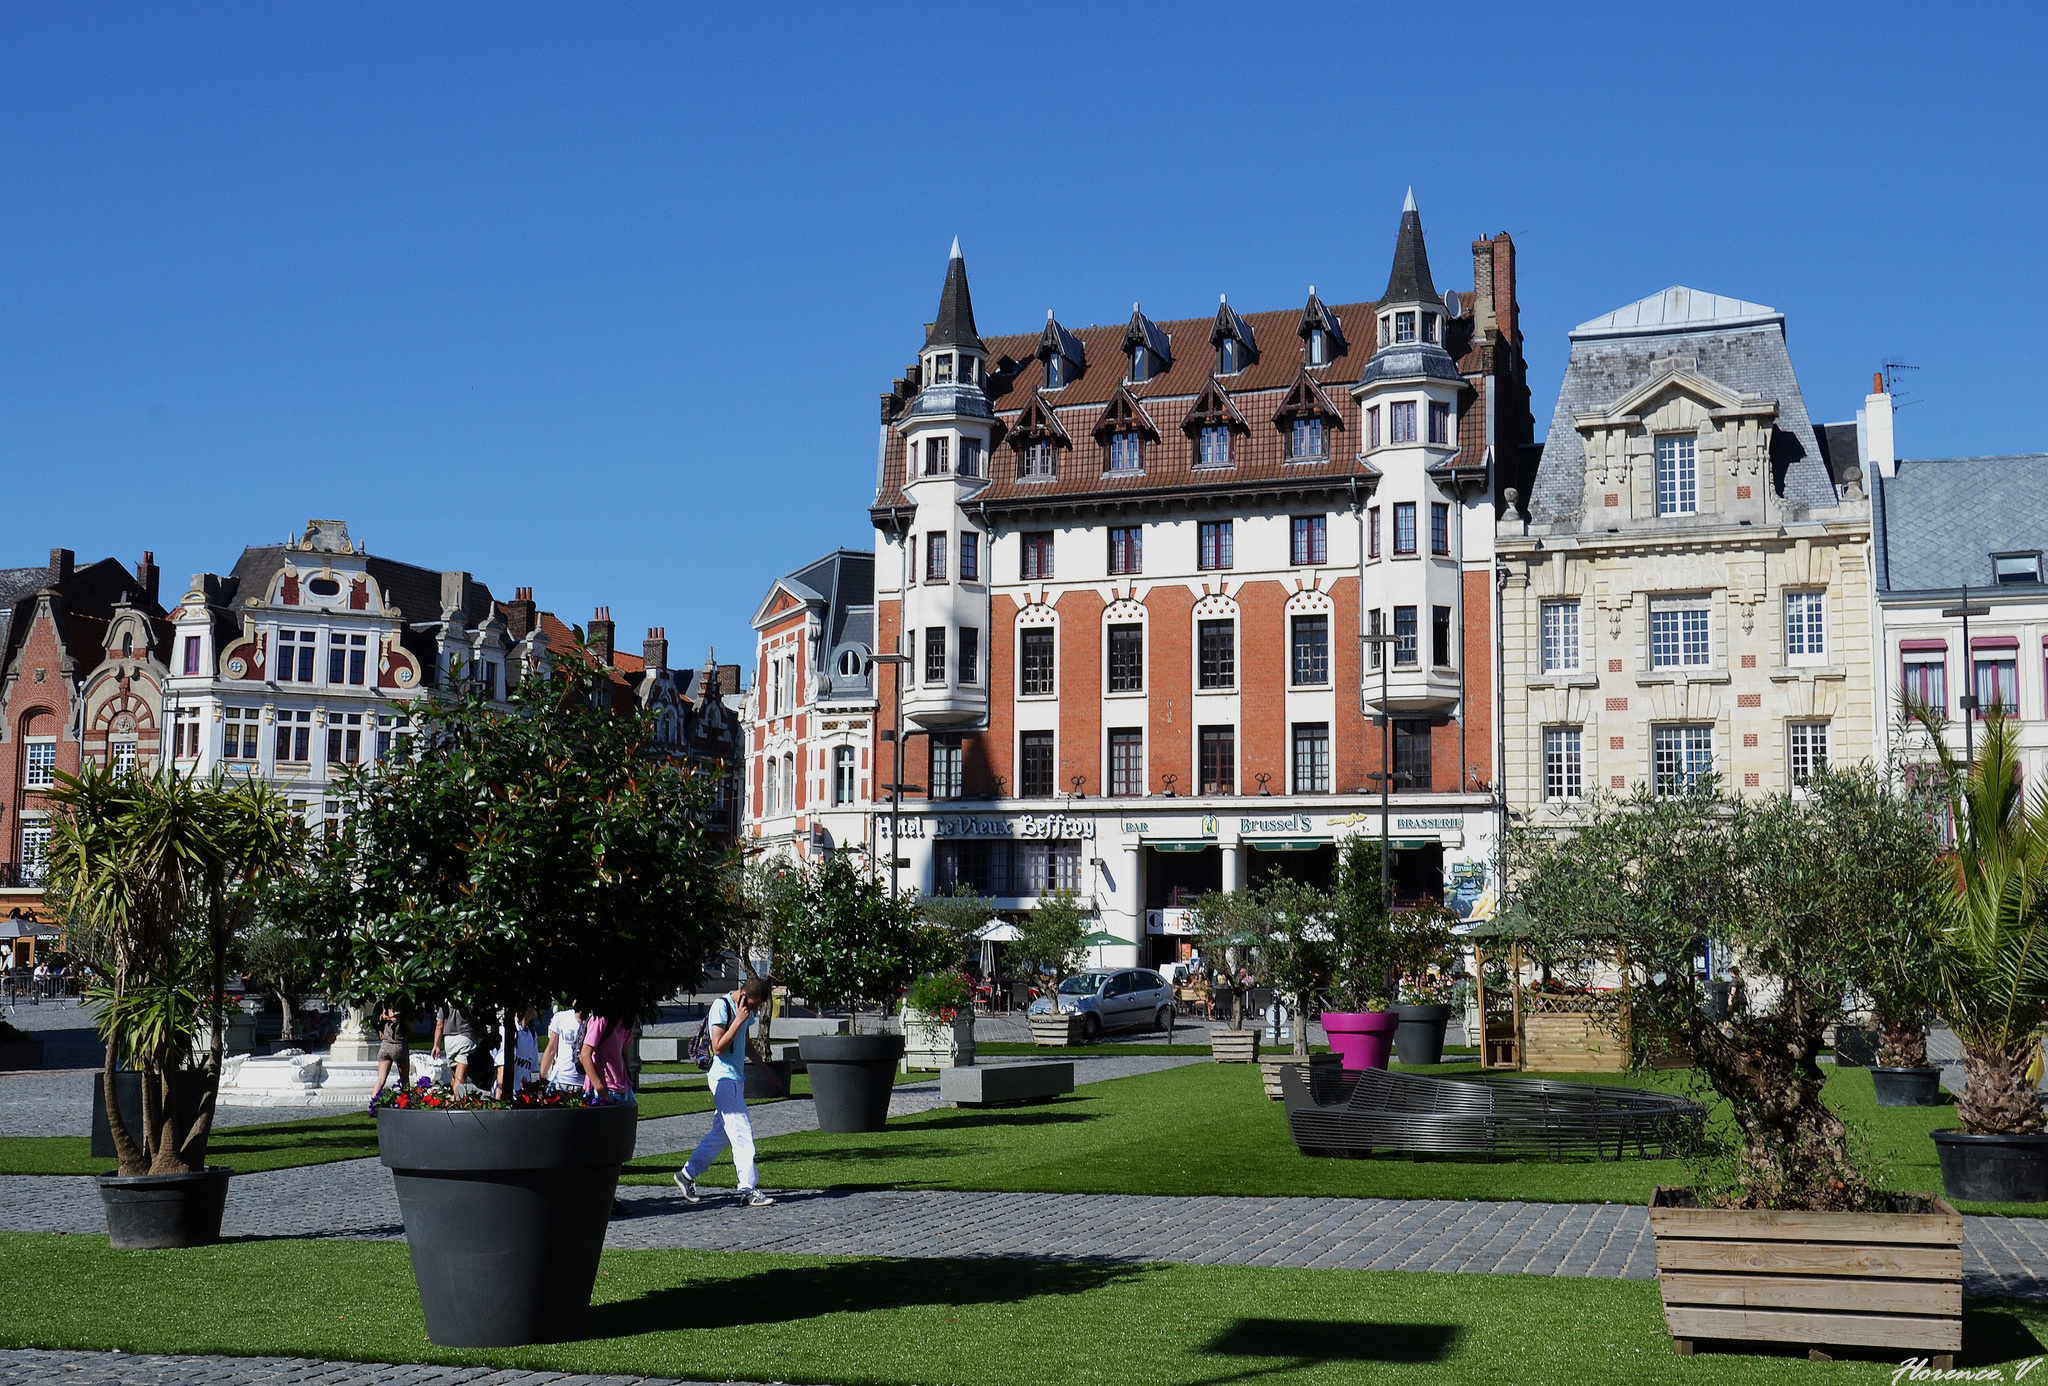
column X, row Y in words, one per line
column 1099, row 940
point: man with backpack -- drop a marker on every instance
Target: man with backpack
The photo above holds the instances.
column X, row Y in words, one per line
column 721, row 1049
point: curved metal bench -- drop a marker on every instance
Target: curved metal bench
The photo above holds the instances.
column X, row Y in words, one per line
column 1334, row 1113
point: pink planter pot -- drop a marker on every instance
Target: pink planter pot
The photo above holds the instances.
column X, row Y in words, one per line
column 1362, row 1039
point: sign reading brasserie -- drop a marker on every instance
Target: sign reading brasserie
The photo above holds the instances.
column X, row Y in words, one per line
column 1038, row 825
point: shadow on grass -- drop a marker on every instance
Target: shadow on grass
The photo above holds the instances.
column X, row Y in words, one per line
column 1992, row 1333
column 1296, row 1344
column 853, row 1287
column 839, row 1155
column 1006, row 1116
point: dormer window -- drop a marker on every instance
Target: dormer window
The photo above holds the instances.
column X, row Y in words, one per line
column 942, row 368
column 849, row 664
column 1141, row 365
column 2016, row 567
column 1318, row 347
column 1036, row 460
column 1216, row 445
column 1404, row 327
column 1126, row 452
column 1307, row 439
column 1429, row 327
column 1057, row 372
column 1678, row 475
column 1230, row 356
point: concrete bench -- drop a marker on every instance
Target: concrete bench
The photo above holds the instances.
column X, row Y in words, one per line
column 985, row 1085
column 662, row 1049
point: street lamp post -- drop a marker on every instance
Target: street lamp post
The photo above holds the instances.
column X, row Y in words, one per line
column 1381, row 644
column 1970, row 700
column 896, row 788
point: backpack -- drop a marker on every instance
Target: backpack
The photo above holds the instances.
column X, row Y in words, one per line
column 700, row 1043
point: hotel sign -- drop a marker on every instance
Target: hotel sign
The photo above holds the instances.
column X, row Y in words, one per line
column 1032, row 825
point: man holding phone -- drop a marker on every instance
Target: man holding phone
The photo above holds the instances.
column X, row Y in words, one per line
column 728, row 1020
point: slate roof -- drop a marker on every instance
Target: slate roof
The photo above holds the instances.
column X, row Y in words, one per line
column 1745, row 356
column 1676, row 309
column 1939, row 520
column 15, row 585
column 88, row 598
column 1409, row 281
column 955, row 324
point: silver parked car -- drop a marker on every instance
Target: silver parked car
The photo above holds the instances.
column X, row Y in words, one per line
column 1127, row 999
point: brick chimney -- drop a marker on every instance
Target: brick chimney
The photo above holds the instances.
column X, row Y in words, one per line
column 655, row 651
column 146, row 574
column 60, row 567
column 520, row 615
column 602, row 633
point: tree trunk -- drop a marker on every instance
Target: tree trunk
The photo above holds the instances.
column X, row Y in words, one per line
column 288, row 1028
column 1997, row 1097
column 1795, row 1150
column 1301, row 1025
column 165, row 1155
column 132, row 1160
column 192, row 1145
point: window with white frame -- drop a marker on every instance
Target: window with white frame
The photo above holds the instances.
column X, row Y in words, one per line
column 1924, row 678
column 1311, row 757
column 1681, row 634
column 945, row 771
column 1126, row 452
column 1307, row 439
column 1036, row 460
column 774, row 783
column 1808, row 743
column 39, row 763
column 1560, row 637
column 842, row 775
column 1678, row 475
column 239, row 726
column 1680, row 756
column 121, row 756
column 1401, row 421
column 1806, row 640
column 35, row 850
column 295, row 737
column 1564, row 768
column 1216, row 445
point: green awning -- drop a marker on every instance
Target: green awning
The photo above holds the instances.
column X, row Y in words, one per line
column 1183, row 845
column 1286, row 844
column 1412, row 844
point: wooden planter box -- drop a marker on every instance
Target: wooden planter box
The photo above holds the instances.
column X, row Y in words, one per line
column 1056, row 1031
column 1270, row 1068
column 1234, row 1046
column 20, row 1054
column 1882, row 1280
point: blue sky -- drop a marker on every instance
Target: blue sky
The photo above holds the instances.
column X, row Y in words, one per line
column 598, row 299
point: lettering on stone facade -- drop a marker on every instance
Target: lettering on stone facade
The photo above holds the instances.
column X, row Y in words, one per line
column 1033, row 825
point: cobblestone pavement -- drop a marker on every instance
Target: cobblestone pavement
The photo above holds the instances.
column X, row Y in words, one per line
column 35, row 1365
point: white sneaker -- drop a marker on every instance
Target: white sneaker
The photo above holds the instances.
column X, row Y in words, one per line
column 688, row 1186
column 756, row 1199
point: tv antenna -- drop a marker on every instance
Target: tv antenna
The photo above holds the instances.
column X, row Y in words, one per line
column 1891, row 377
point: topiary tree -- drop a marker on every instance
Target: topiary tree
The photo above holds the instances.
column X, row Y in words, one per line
column 1797, row 888
column 1364, row 954
column 543, row 850
column 279, row 962
column 1049, row 942
column 842, row 942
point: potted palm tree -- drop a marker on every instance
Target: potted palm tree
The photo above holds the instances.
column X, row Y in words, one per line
column 843, row 942
column 548, row 850
column 1050, row 945
column 1991, row 970
column 154, row 874
column 1791, row 1238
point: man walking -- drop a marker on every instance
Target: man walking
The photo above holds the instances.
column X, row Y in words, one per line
column 729, row 1018
column 452, row 1030
column 394, row 1044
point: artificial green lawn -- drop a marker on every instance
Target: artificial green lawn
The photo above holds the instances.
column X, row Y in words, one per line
column 1209, row 1129
column 719, row 1316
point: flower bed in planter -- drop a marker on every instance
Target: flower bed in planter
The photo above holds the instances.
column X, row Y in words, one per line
column 1890, row 1280
column 933, row 1041
column 505, row 1211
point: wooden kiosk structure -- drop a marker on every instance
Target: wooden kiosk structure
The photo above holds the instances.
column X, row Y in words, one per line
column 1536, row 1030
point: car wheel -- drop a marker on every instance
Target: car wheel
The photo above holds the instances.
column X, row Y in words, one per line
column 1163, row 1020
column 1091, row 1029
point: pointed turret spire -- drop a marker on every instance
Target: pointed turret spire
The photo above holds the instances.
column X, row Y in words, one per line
column 955, row 323
column 1409, row 282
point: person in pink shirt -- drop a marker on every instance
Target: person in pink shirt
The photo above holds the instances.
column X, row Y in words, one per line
column 604, row 1058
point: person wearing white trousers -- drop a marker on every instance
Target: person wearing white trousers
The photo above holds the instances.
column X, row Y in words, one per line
column 727, row 1021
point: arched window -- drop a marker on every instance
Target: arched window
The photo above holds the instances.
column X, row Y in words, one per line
column 773, row 780
column 789, row 783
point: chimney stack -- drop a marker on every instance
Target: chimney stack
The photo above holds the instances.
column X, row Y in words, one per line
column 655, row 651
column 60, row 567
column 1874, row 430
column 602, row 631
column 146, row 575
column 454, row 595
column 520, row 615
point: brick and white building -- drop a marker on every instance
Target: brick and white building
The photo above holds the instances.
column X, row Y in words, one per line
column 1131, row 566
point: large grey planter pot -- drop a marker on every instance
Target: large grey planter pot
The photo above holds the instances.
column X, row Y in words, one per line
column 769, row 1080
column 188, row 1088
column 1906, row 1087
column 1420, row 1038
column 1993, row 1169
column 505, row 1214
column 852, row 1079
column 157, row 1212
column 21, row 1054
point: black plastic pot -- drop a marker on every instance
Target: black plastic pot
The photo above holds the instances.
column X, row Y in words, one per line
column 852, row 1078
column 189, row 1086
column 1993, row 1169
column 156, row 1212
column 505, row 1214
column 1906, row 1087
column 768, row 1080
column 1420, row 1038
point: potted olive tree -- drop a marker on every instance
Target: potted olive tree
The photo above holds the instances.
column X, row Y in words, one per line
column 1425, row 939
column 154, row 875
column 543, row 851
column 1991, row 969
column 1798, row 889
column 1360, row 1019
column 843, row 943
column 1049, row 947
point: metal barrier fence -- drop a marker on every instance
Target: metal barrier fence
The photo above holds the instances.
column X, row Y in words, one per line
column 22, row 987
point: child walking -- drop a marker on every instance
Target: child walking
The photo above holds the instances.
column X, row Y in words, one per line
column 729, row 1019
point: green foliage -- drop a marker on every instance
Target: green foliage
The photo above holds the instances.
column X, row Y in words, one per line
column 962, row 912
column 1285, row 931
column 536, row 852
column 1800, row 889
column 941, row 994
column 840, row 941
column 1049, row 945
column 1366, row 954
column 154, row 874
column 1992, row 935
column 278, row 961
